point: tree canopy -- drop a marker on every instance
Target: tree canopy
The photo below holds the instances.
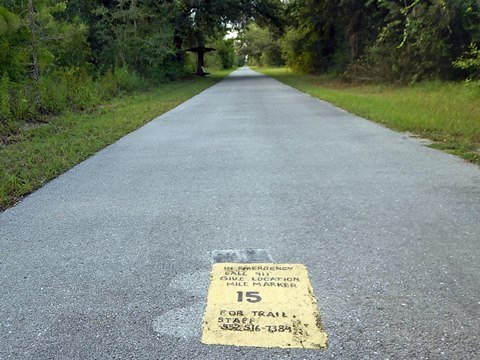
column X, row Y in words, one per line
column 59, row 53
column 393, row 40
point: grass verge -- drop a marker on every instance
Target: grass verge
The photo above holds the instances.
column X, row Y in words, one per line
column 42, row 152
column 448, row 113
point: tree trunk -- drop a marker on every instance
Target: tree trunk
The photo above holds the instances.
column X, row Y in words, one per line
column 34, row 47
column 355, row 27
column 200, row 63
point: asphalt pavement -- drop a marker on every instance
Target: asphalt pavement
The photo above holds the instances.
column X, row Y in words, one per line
column 111, row 260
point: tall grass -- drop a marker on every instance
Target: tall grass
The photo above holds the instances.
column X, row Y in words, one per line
column 60, row 90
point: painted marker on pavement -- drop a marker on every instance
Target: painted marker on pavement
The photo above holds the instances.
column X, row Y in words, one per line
column 263, row 305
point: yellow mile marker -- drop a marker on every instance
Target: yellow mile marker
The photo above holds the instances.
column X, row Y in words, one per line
column 264, row 305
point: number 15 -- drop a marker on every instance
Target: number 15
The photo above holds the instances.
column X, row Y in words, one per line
column 250, row 296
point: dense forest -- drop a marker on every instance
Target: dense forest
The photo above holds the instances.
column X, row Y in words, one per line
column 374, row 40
column 58, row 55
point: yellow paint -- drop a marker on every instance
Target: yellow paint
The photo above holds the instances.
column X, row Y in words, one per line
column 286, row 315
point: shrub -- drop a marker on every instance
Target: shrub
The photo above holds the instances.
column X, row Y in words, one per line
column 5, row 111
column 190, row 63
column 82, row 91
column 53, row 88
column 127, row 81
column 119, row 81
column 22, row 100
column 226, row 53
column 294, row 47
column 60, row 90
column 470, row 62
column 419, row 41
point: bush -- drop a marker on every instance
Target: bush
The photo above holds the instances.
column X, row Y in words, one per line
column 119, row 81
column 22, row 100
column 15, row 105
column 169, row 71
column 226, row 53
column 272, row 55
column 418, row 42
column 82, row 92
column 53, row 88
column 470, row 62
column 127, row 81
column 5, row 111
column 190, row 63
column 299, row 50
column 60, row 90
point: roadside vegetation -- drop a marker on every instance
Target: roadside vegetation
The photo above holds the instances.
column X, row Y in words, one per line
column 411, row 65
column 448, row 113
column 58, row 56
column 77, row 75
column 40, row 152
column 70, row 69
column 375, row 41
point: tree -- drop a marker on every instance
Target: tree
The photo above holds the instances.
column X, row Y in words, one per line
column 10, row 37
column 421, row 39
column 260, row 45
column 396, row 40
column 136, row 35
column 196, row 21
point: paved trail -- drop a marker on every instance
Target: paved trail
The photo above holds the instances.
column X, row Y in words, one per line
column 111, row 260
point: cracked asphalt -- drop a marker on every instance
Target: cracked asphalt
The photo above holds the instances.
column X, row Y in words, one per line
column 111, row 260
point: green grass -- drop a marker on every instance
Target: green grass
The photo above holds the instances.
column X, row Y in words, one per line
column 40, row 153
column 446, row 112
